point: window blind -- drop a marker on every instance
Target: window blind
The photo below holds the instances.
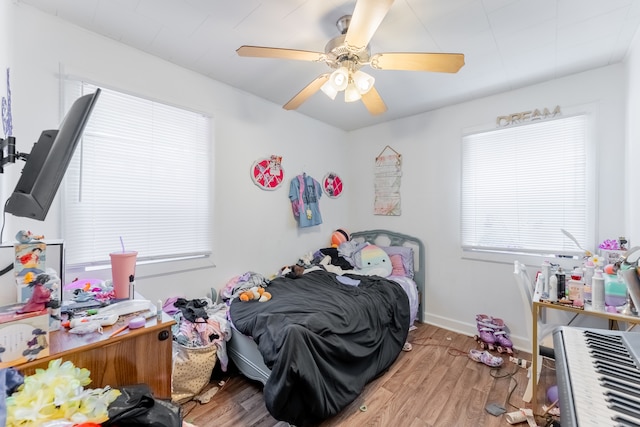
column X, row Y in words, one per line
column 140, row 179
column 522, row 185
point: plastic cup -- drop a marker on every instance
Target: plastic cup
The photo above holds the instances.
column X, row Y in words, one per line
column 123, row 265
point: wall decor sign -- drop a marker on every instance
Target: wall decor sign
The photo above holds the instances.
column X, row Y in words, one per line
column 268, row 173
column 332, row 185
column 387, row 175
column 527, row 116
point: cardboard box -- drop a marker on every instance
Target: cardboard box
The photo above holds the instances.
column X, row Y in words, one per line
column 23, row 337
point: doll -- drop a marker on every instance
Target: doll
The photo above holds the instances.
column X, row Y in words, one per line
column 40, row 297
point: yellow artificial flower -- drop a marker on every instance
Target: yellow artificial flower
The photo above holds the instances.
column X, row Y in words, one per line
column 57, row 393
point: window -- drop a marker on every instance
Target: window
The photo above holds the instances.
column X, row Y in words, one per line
column 140, row 179
column 522, row 185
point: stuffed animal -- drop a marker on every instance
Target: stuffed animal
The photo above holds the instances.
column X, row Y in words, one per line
column 339, row 236
column 373, row 260
column 255, row 293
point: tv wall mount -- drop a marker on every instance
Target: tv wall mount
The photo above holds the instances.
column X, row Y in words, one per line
column 9, row 145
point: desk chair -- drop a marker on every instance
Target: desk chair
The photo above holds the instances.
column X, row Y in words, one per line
column 545, row 338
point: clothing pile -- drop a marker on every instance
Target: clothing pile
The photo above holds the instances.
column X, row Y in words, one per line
column 200, row 323
column 244, row 282
column 199, row 341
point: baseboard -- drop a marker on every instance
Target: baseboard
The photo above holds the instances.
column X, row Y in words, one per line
column 519, row 343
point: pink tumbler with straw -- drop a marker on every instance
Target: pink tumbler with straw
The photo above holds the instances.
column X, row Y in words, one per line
column 123, row 265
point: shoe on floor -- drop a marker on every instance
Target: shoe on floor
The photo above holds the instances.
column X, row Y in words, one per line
column 407, row 347
column 486, row 358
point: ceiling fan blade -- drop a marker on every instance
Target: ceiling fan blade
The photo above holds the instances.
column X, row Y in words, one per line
column 275, row 52
column 366, row 17
column 374, row 102
column 439, row 62
column 305, row 93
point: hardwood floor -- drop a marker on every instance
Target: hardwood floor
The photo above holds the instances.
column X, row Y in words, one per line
column 435, row 384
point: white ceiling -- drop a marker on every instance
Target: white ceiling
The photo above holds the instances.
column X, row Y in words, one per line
column 507, row 44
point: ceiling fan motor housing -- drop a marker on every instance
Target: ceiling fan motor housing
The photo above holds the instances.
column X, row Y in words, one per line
column 337, row 53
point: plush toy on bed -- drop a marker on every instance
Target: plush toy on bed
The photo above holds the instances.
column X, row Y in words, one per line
column 255, row 293
column 339, row 236
column 372, row 260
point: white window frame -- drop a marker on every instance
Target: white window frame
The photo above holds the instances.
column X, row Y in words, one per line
column 558, row 245
column 162, row 221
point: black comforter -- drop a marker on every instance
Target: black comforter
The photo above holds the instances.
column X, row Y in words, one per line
column 323, row 340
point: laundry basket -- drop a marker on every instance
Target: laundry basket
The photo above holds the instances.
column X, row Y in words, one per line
column 192, row 369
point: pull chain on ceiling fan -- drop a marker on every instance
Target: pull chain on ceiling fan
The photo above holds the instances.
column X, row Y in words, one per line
column 349, row 52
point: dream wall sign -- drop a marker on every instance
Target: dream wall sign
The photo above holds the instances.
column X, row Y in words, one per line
column 527, row 116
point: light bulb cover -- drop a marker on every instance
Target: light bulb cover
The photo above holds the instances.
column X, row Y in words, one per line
column 363, row 81
column 329, row 89
column 351, row 93
column 340, row 78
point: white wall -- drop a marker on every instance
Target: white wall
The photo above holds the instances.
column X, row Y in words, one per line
column 632, row 64
column 457, row 289
column 253, row 229
column 6, row 50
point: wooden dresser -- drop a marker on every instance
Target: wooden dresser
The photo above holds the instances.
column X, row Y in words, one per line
column 133, row 356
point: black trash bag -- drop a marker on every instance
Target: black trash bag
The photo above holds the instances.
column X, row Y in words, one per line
column 136, row 406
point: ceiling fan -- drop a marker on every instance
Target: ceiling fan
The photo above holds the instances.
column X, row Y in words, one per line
column 349, row 52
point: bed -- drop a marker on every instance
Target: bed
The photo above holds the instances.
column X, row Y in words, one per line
column 319, row 341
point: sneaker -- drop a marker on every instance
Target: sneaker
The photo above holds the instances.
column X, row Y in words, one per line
column 486, row 358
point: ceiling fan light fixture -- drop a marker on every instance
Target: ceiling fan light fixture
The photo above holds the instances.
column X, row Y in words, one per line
column 329, row 89
column 340, row 78
column 363, row 81
column 351, row 93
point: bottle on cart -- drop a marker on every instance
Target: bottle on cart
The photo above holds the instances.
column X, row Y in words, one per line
column 553, row 288
column 575, row 285
column 575, row 290
column 539, row 289
column 597, row 291
column 562, row 283
column 546, row 273
column 588, row 275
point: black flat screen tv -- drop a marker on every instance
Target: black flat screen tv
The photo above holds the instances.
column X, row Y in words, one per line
column 48, row 161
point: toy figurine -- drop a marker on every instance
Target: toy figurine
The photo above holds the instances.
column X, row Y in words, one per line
column 40, row 297
column 24, row 236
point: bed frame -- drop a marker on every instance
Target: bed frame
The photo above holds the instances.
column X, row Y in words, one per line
column 243, row 351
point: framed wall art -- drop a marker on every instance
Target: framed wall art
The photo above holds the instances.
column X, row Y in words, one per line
column 332, row 185
column 268, row 173
column 387, row 177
